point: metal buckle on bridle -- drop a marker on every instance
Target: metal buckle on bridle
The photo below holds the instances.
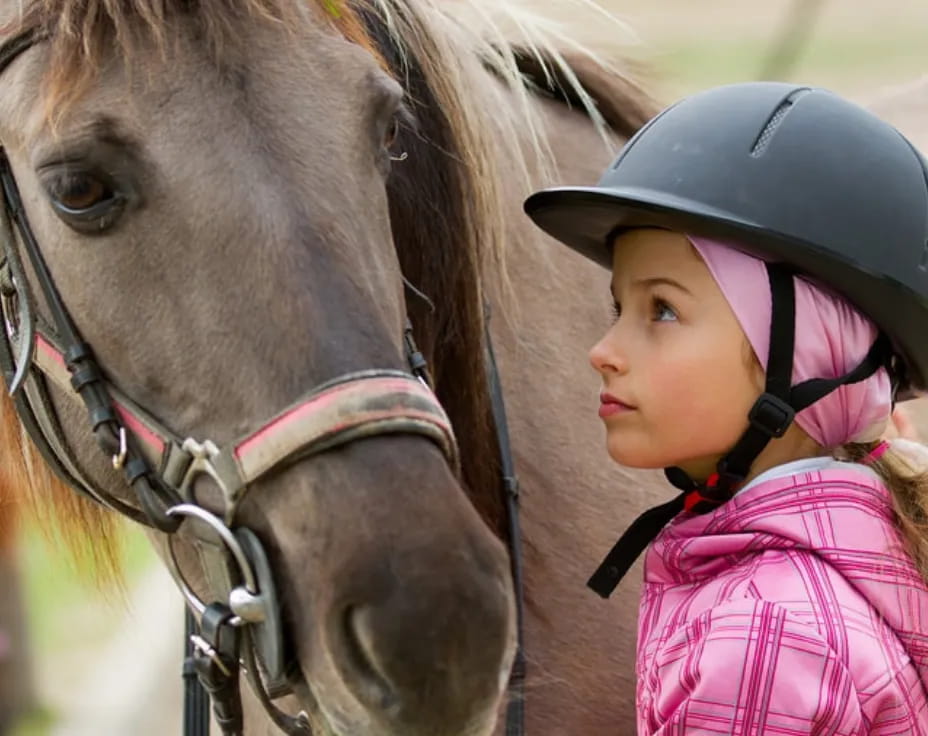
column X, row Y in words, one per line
column 119, row 459
column 417, row 362
column 202, row 455
column 203, row 647
column 245, row 600
column 215, row 656
column 250, row 618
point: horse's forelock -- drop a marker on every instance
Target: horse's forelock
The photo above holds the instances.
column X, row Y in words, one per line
column 81, row 32
column 451, row 199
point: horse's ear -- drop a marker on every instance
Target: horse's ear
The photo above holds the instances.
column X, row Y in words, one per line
column 621, row 101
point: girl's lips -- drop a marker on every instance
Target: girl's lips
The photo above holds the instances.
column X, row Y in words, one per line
column 610, row 406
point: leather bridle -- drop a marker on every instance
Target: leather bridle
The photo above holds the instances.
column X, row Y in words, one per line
column 243, row 624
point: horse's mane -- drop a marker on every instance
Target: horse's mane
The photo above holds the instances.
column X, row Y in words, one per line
column 62, row 514
column 451, row 217
column 447, row 204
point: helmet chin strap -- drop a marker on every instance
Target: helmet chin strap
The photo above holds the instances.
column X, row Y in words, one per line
column 772, row 413
column 769, row 418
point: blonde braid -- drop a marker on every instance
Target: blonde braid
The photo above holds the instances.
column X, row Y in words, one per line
column 904, row 470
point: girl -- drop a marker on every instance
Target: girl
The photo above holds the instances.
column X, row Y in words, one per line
column 769, row 250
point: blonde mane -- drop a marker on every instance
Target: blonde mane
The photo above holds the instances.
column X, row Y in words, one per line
column 26, row 481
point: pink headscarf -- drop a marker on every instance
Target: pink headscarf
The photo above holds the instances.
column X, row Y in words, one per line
column 832, row 338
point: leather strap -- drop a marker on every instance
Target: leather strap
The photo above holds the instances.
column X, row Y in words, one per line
column 196, row 699
column 515, row 709
column 351, row 407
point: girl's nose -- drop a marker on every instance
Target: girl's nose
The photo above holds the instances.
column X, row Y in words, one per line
column 605, row 357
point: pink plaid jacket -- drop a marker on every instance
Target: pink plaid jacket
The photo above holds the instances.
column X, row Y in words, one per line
column 791, row 610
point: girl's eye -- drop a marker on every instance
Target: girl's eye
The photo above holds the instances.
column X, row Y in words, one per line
column 663, row 312
column 616, row 310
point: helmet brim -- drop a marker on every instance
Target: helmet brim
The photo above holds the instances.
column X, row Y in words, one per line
column 586, row 218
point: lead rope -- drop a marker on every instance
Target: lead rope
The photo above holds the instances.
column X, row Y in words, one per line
column 196, row 699
column 515, row 710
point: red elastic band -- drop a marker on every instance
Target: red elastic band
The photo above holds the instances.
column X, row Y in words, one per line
column 694, row 498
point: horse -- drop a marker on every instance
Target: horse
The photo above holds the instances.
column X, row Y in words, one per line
column 236, row 204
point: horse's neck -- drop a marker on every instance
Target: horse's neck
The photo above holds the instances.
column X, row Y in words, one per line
column 575, row 501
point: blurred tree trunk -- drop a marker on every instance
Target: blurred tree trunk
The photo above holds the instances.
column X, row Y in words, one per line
column 792, row 39
column 16, row 686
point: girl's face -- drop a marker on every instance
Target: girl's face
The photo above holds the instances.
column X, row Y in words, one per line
column 679, row 377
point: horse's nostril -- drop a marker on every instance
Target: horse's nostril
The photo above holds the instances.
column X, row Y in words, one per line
column 418, row 651
column 372, row 685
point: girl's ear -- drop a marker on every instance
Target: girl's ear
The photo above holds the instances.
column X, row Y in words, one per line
column 901, row 424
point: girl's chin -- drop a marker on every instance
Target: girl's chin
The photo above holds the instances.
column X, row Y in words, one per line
column 626, row 456
column 639, row 461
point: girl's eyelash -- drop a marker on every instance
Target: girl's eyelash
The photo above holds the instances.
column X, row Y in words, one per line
column 661, row 306
column 658, row 306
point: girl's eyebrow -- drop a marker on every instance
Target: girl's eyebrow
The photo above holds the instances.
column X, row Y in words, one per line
column 657, row 280
column 654, row 281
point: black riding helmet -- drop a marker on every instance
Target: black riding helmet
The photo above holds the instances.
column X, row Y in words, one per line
column 795, row 174
column 801, row 178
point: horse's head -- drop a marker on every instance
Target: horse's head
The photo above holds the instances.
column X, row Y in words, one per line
column 207, row 185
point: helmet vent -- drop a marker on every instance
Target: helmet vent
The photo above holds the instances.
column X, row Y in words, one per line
column 766, row 135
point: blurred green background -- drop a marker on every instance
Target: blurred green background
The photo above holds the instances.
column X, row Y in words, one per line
column 72, row 612
column 855, row 47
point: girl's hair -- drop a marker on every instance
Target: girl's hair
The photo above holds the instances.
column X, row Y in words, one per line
column 906, row 476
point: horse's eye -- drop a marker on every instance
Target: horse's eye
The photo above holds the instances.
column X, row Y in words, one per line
column 80, row 191
column 393, row 131
column 84, row 200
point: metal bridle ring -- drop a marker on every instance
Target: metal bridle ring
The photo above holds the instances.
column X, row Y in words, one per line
column 120, row 458
column 231, row 543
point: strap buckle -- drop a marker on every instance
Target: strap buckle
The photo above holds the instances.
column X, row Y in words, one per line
column 771, row 415
column 215, row 657
column 204, row 457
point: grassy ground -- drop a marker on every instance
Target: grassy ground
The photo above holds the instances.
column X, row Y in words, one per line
column 58, row 581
